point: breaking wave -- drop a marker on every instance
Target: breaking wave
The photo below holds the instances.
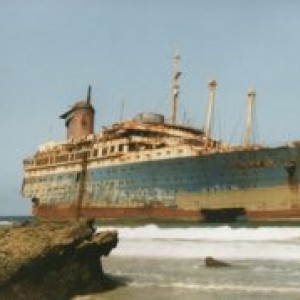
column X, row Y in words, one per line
column 5, row 223
column 222, row 233
column 223, row 288
column 274, row 243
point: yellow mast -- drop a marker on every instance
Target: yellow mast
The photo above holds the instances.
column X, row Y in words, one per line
column 212, row 84
column 248, row 135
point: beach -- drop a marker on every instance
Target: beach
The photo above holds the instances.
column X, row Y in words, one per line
column 167, row 262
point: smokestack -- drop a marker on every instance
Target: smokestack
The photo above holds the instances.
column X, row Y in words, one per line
column 79, row 120
column 212, row 84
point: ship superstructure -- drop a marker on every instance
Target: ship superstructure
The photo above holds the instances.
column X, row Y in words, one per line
column 150, row 168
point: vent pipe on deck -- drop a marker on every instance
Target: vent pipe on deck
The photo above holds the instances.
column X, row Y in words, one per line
column 89, row 93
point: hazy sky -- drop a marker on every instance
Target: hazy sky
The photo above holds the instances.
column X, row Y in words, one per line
column 51, row 50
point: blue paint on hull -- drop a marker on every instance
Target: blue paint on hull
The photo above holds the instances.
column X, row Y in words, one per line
column 152, row 182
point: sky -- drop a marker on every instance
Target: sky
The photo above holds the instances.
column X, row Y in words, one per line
column 51, row 50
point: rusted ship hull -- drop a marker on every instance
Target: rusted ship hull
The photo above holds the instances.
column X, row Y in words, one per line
column 120, row 214
column 257, row 185
column 164, row 214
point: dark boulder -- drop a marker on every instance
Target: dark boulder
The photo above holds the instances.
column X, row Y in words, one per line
column 52, row 260
column 212, row 262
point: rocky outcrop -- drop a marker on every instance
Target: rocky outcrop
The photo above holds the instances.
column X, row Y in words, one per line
column 52, row 260
column 215, row 263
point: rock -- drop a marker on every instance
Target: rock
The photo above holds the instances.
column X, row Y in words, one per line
column 52, row 260
column 212, row 262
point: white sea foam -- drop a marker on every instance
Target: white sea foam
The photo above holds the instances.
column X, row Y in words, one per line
column 276, row 243
column 222, row 233
column 5, row 223
column 222, row 287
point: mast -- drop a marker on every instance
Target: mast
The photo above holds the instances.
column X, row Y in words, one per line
column 175, row 88
column 248, row 135
column 212, row 84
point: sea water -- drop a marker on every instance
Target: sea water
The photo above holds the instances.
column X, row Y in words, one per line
column 155, row 262
column 168, row 263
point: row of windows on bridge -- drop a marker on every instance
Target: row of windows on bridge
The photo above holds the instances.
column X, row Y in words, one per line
column 100, row 152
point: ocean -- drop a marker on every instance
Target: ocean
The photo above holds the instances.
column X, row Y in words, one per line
column 167, row 262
